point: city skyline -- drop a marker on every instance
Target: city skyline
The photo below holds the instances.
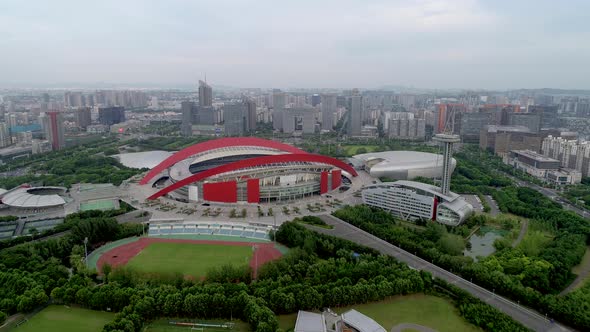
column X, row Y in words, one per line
column 464, row 44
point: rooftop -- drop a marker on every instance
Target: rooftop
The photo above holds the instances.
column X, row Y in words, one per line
column 361, row 322
column 517, row 129
column 533, row 155
column 309, row 322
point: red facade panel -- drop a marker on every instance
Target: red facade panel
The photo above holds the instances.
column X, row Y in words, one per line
column 336, row 178
column 434, row 208
column 225, row 192
column 324, row 182
column 253, row 186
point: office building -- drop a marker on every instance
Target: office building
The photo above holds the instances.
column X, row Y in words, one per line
column 40, row 146
column 548, row 115
column 279, row 100
column 83, row 117
column 298, row 120
column 446, row 115
column 111, row 115
column 53, row 126
column 355, row 115
column 471, row 124
column 409, row 200
column 542, row 167
column 316, row 100
column 206, row 115
column 502, row 139
column 328, row 107
column 234, row 118
column 187, row 108
column 205, row 94
column 529, row 120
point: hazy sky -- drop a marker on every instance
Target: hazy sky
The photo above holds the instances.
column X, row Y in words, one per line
column 302, row 43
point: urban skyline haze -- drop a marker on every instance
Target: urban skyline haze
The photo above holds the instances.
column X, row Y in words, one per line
column 343, row 44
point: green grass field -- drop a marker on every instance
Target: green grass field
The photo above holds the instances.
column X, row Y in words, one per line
column 162, row 325
column 106, row 204
column 434, row 312
column 60, row 318
column 188, row 258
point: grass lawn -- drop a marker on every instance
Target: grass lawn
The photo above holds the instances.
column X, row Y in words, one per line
column 351, row 150
column 434, row 312
column 162, row 325
column 188, row 258
column 60, row 318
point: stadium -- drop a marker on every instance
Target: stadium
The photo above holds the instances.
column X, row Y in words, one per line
column 245, row 169
column 401, row 165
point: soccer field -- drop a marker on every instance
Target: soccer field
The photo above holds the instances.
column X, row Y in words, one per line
column 60, row 318
column 188, row 258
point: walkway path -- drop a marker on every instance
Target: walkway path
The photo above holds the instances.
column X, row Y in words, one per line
column 494, row 210
column 582, row 276
column 406, row 326
column 523, row 229
column 525, row 316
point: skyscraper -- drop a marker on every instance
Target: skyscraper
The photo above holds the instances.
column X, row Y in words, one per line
column 205, row 94
column 328, row 108
column 251, row 115
column 234, row 119
column 83, row 117
column 53, row 126
column 187, row 108
column 356, row 115
column 5, row 139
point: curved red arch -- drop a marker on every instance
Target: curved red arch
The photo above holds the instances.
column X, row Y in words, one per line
column 216, row 144
column 258, row 161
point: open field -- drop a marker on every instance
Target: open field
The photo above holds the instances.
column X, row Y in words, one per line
column 58, row 318
column 162, row 325
column 351, row 150
column 430, row 311
column 188, row 258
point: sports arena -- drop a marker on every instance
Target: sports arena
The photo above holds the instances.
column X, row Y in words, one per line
column 245, row 169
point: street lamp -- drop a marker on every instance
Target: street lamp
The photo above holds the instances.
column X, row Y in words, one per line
column 254, row 249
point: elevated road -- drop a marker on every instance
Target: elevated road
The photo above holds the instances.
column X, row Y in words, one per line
column 525, row 316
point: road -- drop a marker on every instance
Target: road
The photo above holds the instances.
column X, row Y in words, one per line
column 527, row 317
column 553, row 195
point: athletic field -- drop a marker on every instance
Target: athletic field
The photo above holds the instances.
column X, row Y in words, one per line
column 188, row 258
column 163, row 325
column 105, row 204
column 59, row 318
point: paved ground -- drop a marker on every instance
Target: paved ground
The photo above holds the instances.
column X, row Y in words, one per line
column 474, row 201
column 523, row 229
column 407, row 326
column 527, row 317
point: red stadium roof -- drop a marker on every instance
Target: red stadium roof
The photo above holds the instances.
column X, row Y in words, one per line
column 258, row 161
column 216, row 144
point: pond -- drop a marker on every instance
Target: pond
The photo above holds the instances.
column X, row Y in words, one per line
column 482, row 243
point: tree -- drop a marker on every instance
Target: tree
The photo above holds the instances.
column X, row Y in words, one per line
column 2, row 318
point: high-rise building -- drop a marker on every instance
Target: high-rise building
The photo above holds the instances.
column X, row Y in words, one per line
column 251, row 115
column 572, row 154
column 205, row 94
column 111, row 115
column 356, row 115
column 548, row 115
column 83, row 117
column 187, row 108
column 5, row 139
column 328, row 108
column 279, row 100
column 206, row 115
column 234, row 118
column 315, row 100
column 53, row 126
column 298, row 120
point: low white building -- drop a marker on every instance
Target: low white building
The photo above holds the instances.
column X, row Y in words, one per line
column 412, row 201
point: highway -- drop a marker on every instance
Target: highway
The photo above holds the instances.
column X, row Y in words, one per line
column 525, row 316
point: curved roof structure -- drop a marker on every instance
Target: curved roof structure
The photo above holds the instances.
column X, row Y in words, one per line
column 256, row 162
column 147, row 159
column 402, row 165
column 26, row 198
column 217, row 144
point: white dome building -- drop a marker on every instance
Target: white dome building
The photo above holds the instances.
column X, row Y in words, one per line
column 401, row 165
